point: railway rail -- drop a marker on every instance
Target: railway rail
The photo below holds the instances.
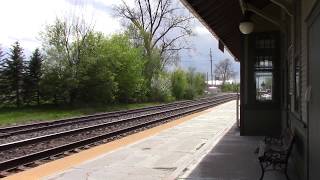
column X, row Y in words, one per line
column 28, row 133
column 21, row 154
column 31, row 127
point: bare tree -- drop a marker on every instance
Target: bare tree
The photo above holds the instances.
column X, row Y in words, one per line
column 224, row 70
column 160, row 26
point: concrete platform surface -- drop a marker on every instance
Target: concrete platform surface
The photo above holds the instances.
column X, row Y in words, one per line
column 233, row 158
column 166, row 155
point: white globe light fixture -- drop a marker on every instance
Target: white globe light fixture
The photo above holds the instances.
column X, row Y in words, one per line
column 246, row 27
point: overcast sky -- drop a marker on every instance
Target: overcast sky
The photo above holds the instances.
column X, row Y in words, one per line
column 22, row 20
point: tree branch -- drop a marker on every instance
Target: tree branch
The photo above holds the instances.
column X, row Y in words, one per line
column 172, row 26
column 141, row 13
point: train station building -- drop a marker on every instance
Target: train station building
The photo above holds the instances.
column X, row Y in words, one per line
column 277, row 43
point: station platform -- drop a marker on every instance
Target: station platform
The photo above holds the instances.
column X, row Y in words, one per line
column 164, row 155
column 202, row 146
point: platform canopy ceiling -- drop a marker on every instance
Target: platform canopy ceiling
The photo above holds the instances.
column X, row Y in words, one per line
column 222, row 18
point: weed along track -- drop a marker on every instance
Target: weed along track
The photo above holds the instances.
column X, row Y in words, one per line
column 29, row 145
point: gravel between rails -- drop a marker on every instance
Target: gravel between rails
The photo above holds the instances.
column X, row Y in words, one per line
column 18, row 137
column 75, row 123
column 17, row 128
column 66, row 153
column 41, row 123
column 32, row 148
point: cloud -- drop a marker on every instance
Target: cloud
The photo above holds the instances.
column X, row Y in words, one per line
column 198, row 57
column 24, row 20
column 104, row 6
column 201, row 30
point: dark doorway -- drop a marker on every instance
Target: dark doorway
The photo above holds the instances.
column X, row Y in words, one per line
column 314, row 88
column 260, row 72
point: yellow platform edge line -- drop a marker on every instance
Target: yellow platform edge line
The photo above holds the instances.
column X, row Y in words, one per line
column 68, row 162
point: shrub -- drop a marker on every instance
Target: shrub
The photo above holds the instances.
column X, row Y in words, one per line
column 161, row 88
column 179, row 84
column 230, row 87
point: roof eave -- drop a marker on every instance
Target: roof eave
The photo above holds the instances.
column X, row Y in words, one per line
column 189, row 7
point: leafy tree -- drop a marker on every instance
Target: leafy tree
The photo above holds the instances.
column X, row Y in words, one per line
column 230, row 88
column 123, row 61
column 128, row 64
column 161, row 88
column 97, row 82
column 160, row 27
column 187, row 84
column 65, row 45
column 13, row 73
column 2, row 60
column 111, row 69
column 199, row 83
column 2, row 77
column 53, row 84
column 33, row 77
column 191, row 88
column 179, row 84
column 196, row 84
column 96, row 78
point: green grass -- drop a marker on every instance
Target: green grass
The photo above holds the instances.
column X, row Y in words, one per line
column 9, row 116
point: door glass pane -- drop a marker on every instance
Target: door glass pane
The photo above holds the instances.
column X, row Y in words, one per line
column 263, row 63
column 264, row 83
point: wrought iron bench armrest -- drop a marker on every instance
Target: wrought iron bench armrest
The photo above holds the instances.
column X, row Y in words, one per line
column 275, row 155
column 277, row 141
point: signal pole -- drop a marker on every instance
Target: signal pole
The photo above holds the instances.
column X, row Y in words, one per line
column 207, row 85
column 207, row 78
column 211, row 66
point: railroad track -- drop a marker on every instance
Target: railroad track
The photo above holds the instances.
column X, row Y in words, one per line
column 22, row 129
column 21, row 154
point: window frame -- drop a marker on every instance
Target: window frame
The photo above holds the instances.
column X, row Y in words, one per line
column 266, row 51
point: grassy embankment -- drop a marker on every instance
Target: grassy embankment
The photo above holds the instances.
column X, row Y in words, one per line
column 9, row 116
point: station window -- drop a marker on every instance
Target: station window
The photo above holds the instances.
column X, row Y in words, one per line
column 265, row 49
column 265, row 43
column 264, row 78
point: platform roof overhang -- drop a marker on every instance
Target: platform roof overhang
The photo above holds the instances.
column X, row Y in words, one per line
column 222, row 18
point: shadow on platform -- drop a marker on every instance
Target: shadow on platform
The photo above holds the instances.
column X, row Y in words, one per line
column 233, row 158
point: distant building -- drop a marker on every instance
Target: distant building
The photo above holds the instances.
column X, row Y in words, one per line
column 213, row 86
column 213, row 90
column 219, row 82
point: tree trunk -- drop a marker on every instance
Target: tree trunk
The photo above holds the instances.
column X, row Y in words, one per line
column 38, row 97
column 55, row 99
column 17, row 97
column 73, row 95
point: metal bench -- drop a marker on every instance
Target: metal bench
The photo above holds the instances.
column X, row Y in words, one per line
column 274, row 153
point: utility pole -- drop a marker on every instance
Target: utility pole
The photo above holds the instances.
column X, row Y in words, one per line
column 207, row 81
column 207, row 78
column 211, row 65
